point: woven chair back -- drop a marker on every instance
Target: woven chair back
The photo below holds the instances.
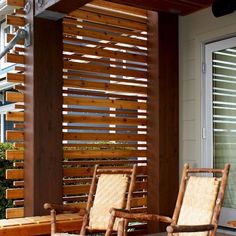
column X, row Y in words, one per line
column 198, row 202
column 111, row 192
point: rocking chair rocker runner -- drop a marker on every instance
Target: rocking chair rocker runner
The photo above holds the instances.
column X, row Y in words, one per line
column 197, row 208
column 108, row 189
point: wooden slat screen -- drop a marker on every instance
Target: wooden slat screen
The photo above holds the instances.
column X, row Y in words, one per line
column 105, row 95
column 17, row 77
column 104, row 100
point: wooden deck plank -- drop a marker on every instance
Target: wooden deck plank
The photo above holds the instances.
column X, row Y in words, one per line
column 39, row 225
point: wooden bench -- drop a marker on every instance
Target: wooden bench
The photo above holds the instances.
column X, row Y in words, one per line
column 39, row 225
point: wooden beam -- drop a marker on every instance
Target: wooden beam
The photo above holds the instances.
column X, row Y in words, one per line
column 43, row 116
column 57, row 9
column 171, row 6
column 162, row 116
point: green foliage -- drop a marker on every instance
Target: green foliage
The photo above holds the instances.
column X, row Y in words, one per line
column 4, row 184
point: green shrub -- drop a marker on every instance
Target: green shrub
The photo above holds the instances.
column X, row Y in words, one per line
column 4, row 184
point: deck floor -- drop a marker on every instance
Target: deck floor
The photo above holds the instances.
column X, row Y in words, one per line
column 217, row 234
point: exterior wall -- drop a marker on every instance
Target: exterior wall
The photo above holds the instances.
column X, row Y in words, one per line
column 195, row 30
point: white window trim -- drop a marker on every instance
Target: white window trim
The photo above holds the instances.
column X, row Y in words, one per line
column 207, row 127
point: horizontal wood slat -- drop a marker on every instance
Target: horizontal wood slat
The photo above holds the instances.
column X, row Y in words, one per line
column 14, row 174
column 15, row 193
column 14, row 212
column 18, row 145
column 19, row 87
column 113, row 103
column 106, row 53
column 12, row 155
column 131, row 113
column 18, row 164
column 15, row 3
column 20, row 69
column 103, row 69
column 104, row 137
column 118, row 8
column 103, row 145
column 14, row 97
column 20, row 11
column 12, row 135
column 88, row 171
column 111, row 162
column 104, row 154
column 15, row 116
column 15, row 58
column 134, row 18
column 18, row 203
column 103, row 120
column 16, row 20
column 15, row 78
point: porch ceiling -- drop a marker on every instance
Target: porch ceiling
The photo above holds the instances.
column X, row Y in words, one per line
column 182, row 7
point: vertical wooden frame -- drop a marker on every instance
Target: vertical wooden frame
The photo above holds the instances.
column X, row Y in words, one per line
column 43, row 115
column 163, row 122
column 89, row 202
column 180, row 194
column 220, row 199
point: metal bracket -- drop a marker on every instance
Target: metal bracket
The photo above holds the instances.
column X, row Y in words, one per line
column 40, row 3
column 27, row 8
column 51, row 15
column 22, row 33
column 28, row 35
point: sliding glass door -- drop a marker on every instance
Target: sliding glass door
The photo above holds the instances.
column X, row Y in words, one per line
column 220, row 116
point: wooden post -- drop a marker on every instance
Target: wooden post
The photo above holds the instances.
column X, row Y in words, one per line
column 43, row 116
column 163, row 123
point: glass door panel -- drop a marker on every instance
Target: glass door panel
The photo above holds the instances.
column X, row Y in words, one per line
column 221, row 116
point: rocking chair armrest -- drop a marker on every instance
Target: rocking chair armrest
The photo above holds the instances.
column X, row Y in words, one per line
column 139, row 216
column 61, row 208
column 189, row 228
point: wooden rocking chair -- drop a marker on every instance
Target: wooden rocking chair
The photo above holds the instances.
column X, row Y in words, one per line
column 108, row 189
column 197, row 208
